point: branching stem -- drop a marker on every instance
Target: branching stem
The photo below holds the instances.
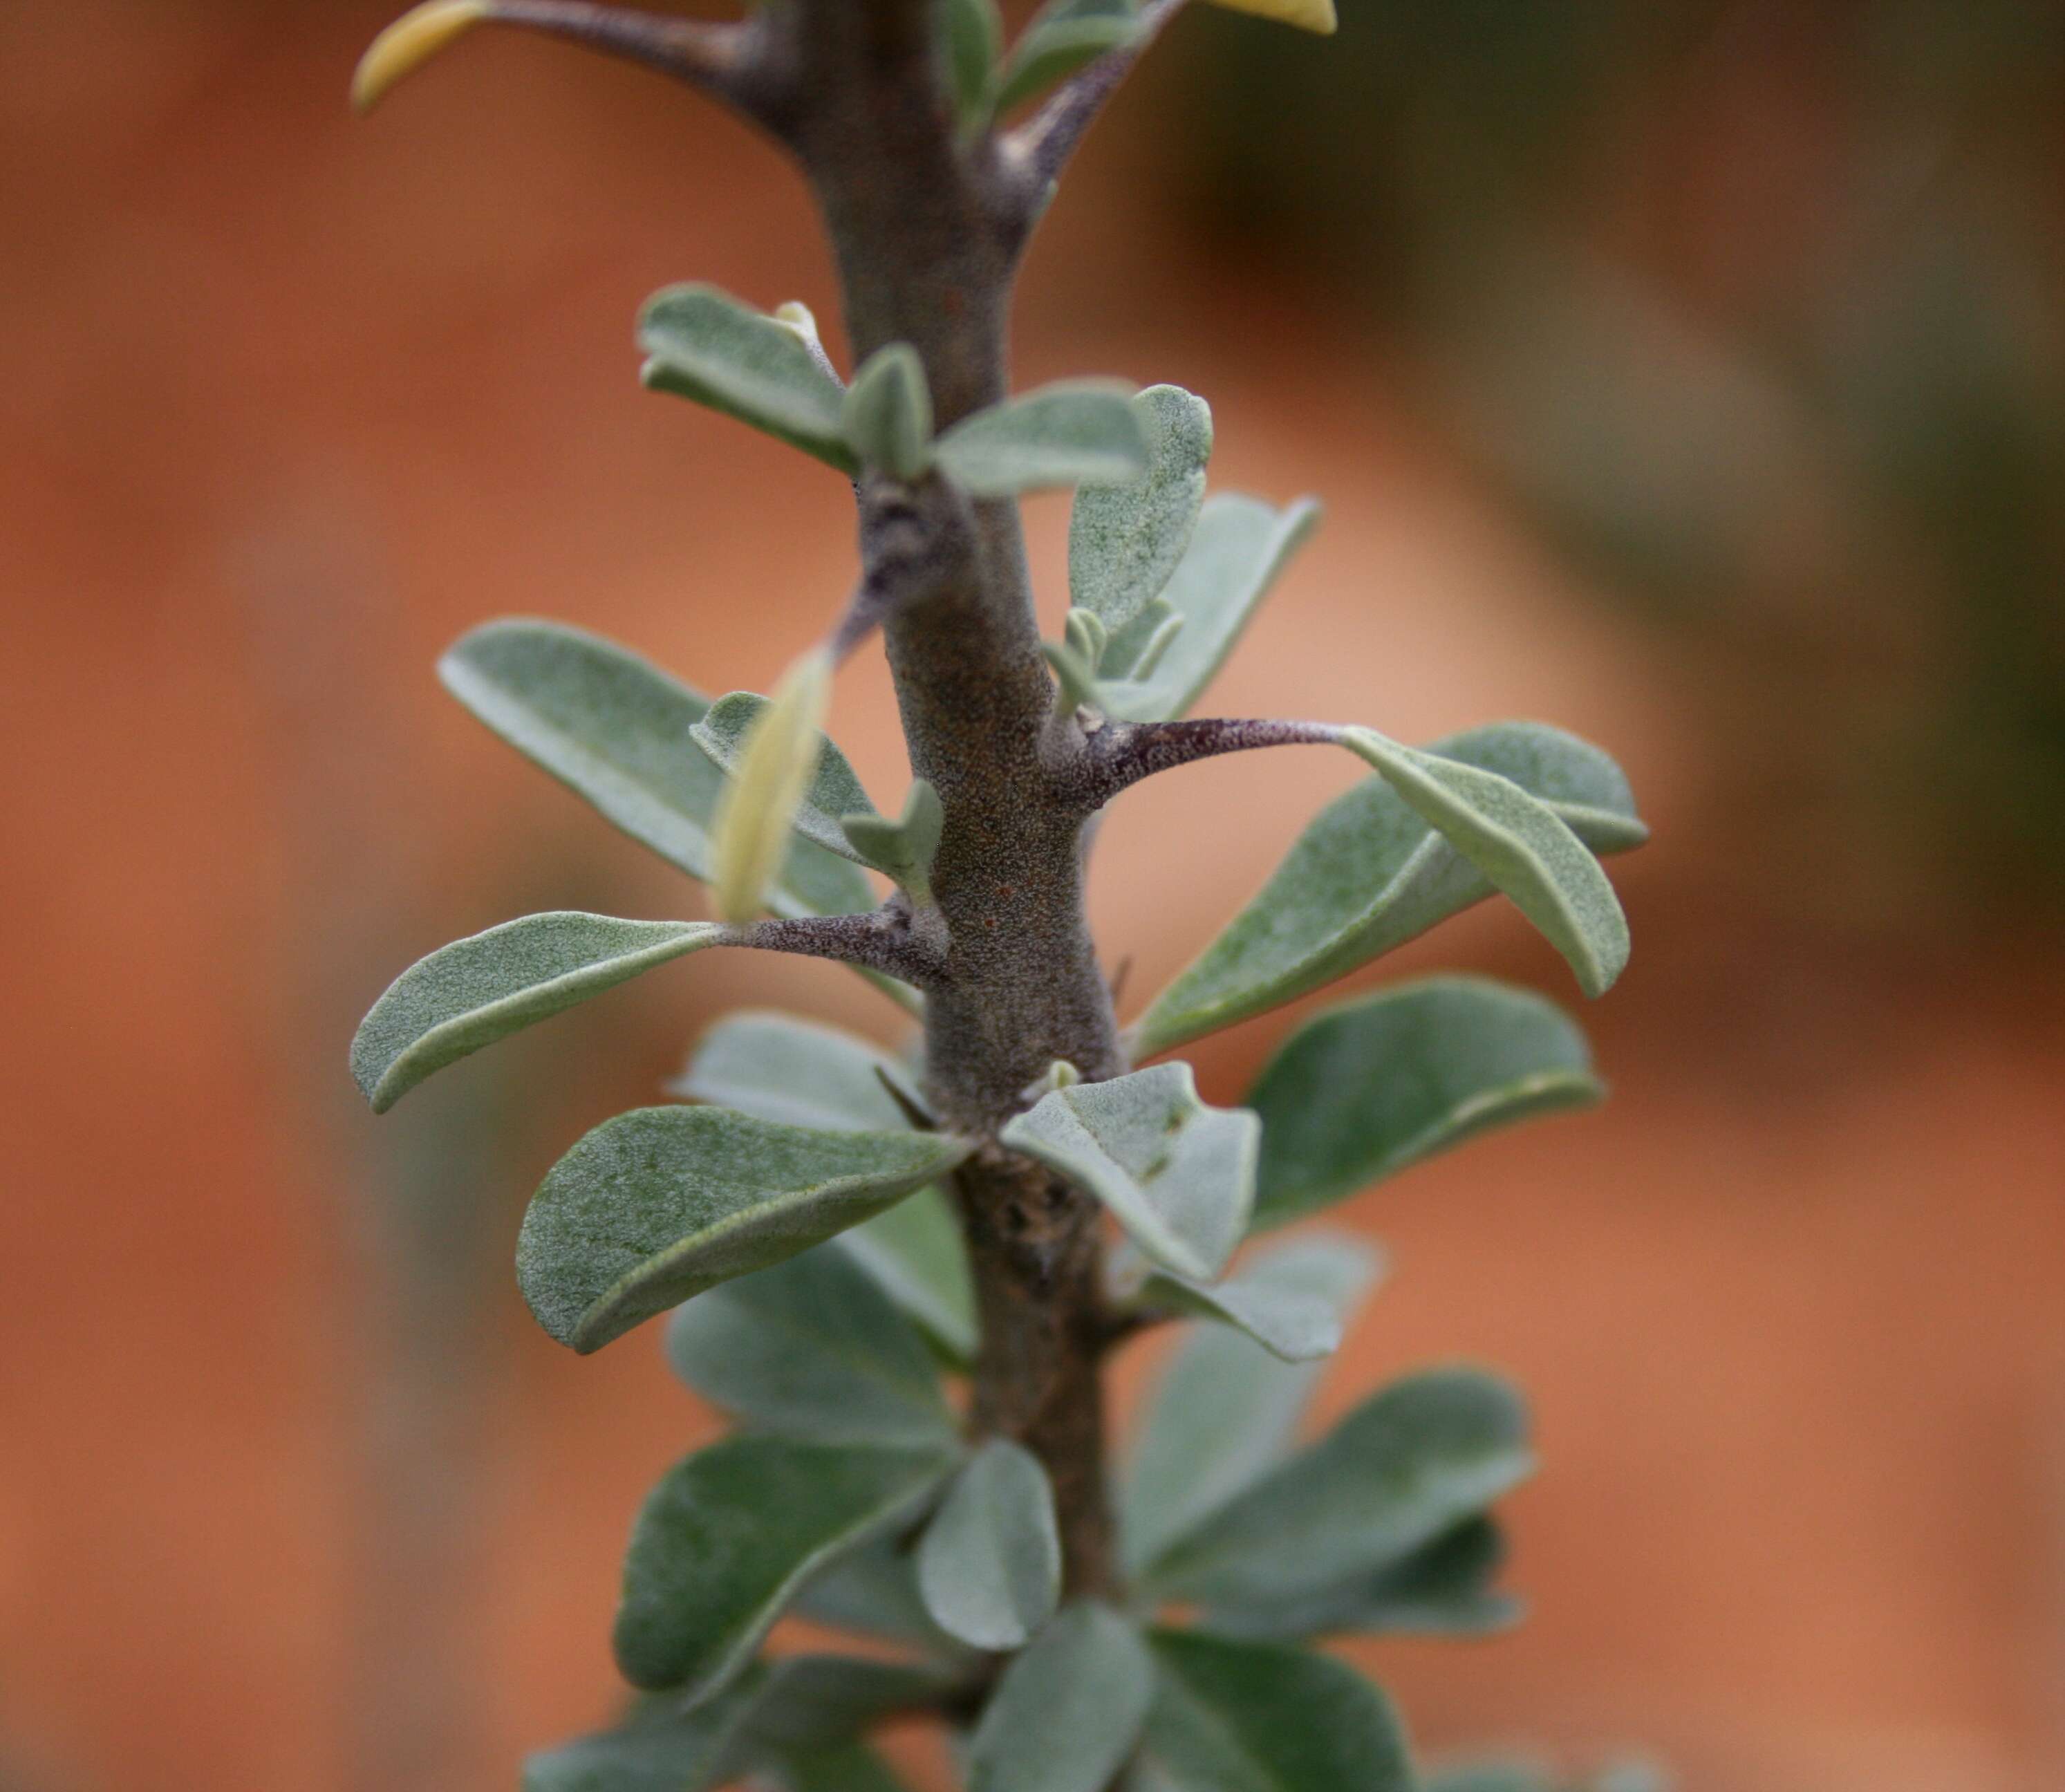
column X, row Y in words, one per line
column 1121, row 753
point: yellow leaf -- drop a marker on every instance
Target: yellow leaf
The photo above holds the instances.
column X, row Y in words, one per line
column 1308, row 15
column 409, row 43
column 750, row 837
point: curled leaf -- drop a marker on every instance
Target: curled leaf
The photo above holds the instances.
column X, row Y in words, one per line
column 418, row 34
column 775, row 765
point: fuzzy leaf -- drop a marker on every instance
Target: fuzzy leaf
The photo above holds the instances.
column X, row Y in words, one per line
column 812, row 1348
column 1125, row 541
column 728, row 1536
column 989, row 1565
column 657, row 1205
column 1362, row 1090
column 873, row 1592
column 802, row 1704
column 705, row 345
column 616, row 729
column 1178, row 1175
column 770, row 780
column 1068, row 1710
column 488, row 985
column 1074, row 432
column 1409, row 1463
column 833, row 789
column 777, row 1066
column 916, row 1252
column 888, row 412
column 1442, row 1589
column 1368, row 874
column 974, row 33
column 851, row 1767
column 1520, row 844
column 1226, row 1410
column 1061, row 37
column 1295, row 1323
column 1241, row 1717
column 1236, row 551
column 903, row 848
column 658, row 1748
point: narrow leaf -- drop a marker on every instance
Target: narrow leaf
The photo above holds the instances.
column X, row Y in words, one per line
column 770, row 782
column 812, row 1348
column 903, row 848
column 832, row 790
column 1125, row 541
column 1068, row 1711
column 728, row 1536
column 974, row 32
column 1520, row 845
column 1409, row 1463
column 705, row 345
column 1241, row 1716
column 655, row 1206
column 1075, row 432
column 483, row 987
column 777, row 1066
column 1225, row 1411
column 1178, row 1175
column 1362, row 1090
column 888, row 412
column 989, row 1565
column 1368, row 874
column 616, row 729
column 1061, row 37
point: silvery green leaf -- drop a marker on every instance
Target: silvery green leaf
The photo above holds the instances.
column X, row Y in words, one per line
column 730, row 1535
column 703, row 344
column 903, row 848
column 1074, row 432
column 1124, row 541
column 657, row 1205
column 777, row 1067
column 1225, row 1410
column 802, row 1704
column 488, row 985
column 1411, row 1462
column 1502, row 1774
column 1060, row 38
column 1178, row 1175
column 916, row 1252
column 1237, row 549
column 1368, row 874
column 1517, row 842
column 1069, row 1709
column 1361, row 1091
column 1131, row 653
column 657, row 1748
column 974, row 34
column 1442, row 1589
column 1241, row 1716
column 989, row 1564
column 812, row 1348
column 615, row 728
column 888, row 412
column 873, row 1592
column 850, row 1767
column 834, row 791
column 1296, row 1323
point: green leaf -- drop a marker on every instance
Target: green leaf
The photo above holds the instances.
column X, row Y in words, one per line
column 728, row 1537
column 1501, row 1775
column 806, row 1704
column 812, row 1348
column 1074, row 432
column 1239, row 546
column 777, row 1067
column 989, row 1564
column 615, row 728
column 1294, row 1322
column 1368, row 874
column 873, row 1592
column 1068, row 1711
column 974, row 34
column 916, row 1252
column 1061, row 37
column 851, row 1767
column 659, row 1748
column 657, row 1205
column 1442, row 1589
column 887, row 413
column 705, row 345
column 834, row 791
column 903, row 848
column 1240, row 1717
column 1520, row 844
column 1179, row 1175
column 1362, row 1090
column 488, row 985
column 1125, row 541
column 1411, row 1463
column 1225, row 1410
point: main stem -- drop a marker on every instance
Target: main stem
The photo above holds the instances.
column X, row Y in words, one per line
column 927, row 253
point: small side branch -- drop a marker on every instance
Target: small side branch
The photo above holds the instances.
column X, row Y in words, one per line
column 1034, row 155
column 891, row 940
column 1121, row 753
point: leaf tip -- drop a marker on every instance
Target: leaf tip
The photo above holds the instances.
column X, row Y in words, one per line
column 1316, row 16
column 408, row 43
column 751, row 830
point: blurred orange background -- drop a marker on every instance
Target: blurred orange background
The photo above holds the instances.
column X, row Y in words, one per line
column 294, row 1494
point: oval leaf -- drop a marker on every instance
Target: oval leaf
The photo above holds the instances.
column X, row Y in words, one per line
column 873, row 1592
column 705, row 345
column 917, row 1254
column 811, row 1348
column 833, row 790
column 1178, row 1175
column 1368, row 874
column 1362, row 1090
column 483, row 987
column 777, row 1066
column 726, row 1538
column 989, row 1565
column 1068, row 1711
column 1409, row 1463
column 1296, row 1324
column 655, row 1206
column 1125, row 541
column 1075, row 432
column 888, row 412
